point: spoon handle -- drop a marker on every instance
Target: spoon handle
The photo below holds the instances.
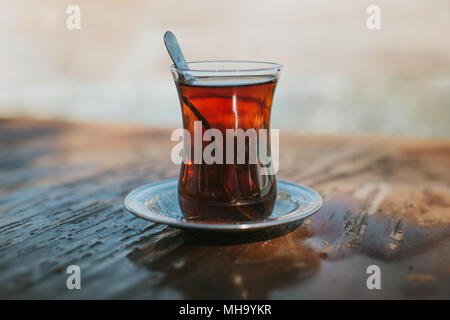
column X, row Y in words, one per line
column 176, row 54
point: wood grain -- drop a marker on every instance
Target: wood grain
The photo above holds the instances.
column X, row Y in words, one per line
column 62, row 185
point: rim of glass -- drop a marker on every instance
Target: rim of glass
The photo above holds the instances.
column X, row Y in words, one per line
column 269, row 66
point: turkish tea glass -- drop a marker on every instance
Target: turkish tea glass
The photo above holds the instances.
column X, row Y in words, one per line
column 217, row 99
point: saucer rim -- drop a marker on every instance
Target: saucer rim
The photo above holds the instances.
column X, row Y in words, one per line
column 230, row 227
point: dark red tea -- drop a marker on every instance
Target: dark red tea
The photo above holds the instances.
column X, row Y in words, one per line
column 226, row 192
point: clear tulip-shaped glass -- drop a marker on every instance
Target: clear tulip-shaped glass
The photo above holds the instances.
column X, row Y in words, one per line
column 222, row 176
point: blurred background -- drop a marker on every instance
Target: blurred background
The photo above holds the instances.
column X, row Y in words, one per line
column 338, row 76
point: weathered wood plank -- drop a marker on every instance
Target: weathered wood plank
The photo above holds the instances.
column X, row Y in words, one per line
column 62, row 186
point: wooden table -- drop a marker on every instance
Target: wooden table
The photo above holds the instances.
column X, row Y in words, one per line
column 386, row 203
